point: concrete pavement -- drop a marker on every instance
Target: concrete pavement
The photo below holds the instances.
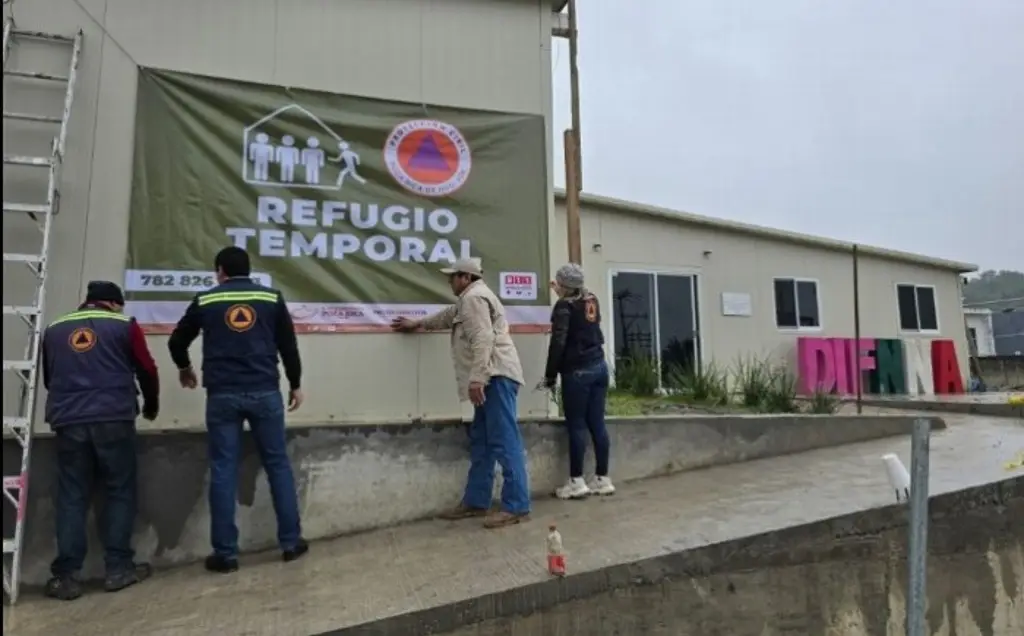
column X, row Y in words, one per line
column 343, row 473
column 360, row 579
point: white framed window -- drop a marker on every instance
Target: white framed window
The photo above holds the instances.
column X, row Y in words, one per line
column 916, row 308
column 797, row 304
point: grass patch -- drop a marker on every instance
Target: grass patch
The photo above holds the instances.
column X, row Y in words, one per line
column 624, row 404
column 758, row 385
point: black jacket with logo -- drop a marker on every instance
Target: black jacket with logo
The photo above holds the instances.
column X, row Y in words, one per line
column 576, row 338
column 245, row 327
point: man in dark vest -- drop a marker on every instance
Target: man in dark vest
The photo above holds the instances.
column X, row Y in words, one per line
column 245, row 327
column 91, row 360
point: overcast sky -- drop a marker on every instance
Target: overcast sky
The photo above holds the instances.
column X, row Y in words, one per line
column 898, row 124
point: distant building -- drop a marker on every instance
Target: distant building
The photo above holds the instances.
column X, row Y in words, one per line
column 1008, row 332
column 980, row 332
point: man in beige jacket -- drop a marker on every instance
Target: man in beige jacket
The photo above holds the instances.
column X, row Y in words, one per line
column 489, row 375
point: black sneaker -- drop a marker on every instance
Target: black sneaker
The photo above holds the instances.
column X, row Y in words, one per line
column 119, row 580
column 295, row 553
column 221, row 564
column 64, row 588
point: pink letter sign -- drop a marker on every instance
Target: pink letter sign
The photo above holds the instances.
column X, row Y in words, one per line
column 833, row 364
column 816, row 363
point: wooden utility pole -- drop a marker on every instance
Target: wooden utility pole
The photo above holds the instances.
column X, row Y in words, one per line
column 572, row 198
column 571, row 139
column 574, row 92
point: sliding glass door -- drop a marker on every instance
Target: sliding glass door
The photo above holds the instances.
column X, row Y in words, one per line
column 633, row 314
column 656, row 315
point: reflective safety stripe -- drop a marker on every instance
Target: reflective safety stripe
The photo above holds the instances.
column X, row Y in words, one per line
column 238, row 297
column 89, row 314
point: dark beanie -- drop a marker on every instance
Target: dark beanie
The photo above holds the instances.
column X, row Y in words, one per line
column 104, row 291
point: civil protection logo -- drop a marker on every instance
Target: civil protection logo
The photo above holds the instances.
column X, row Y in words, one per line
column 240, row 318
column 82, row 339
column 428, row 157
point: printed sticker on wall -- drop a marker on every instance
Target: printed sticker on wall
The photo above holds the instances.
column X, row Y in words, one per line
column 518, row 286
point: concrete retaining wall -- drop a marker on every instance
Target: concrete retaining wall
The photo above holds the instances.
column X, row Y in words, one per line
column 1002, row 373
column 991, row 407
column 844, row 576
column 356, row 478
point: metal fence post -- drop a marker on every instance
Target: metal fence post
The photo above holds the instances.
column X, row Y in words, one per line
column 856, row 329
column 917, row 560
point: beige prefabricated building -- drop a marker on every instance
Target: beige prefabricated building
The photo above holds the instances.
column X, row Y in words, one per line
column 482, row 54
column 490, row 54
column 721, row 279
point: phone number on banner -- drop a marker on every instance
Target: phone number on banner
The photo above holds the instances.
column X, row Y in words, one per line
column 159, row 280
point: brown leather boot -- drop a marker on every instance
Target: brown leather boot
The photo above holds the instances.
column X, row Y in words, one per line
column 460, row 512
column 502, row 518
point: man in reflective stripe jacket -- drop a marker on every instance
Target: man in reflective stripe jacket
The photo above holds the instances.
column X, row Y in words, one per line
column 245, row 327
column 91, row 360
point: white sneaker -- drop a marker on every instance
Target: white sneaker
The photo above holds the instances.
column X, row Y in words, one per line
column 575, row 488
column 601, row 486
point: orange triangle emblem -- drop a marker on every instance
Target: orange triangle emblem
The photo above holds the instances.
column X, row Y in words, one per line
column 240, row 318
column 82, row 339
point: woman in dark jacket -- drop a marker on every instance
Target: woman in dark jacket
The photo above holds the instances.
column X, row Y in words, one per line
column 576, row 353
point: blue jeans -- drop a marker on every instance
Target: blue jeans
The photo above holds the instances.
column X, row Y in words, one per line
column 494, row 436
column 87, row 453
column 225, row 414
column 583, row 397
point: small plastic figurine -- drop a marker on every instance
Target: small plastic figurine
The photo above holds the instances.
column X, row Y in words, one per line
column 556, row 556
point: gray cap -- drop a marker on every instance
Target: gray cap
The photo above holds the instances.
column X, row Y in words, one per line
column 570, row 276
column 471, row 266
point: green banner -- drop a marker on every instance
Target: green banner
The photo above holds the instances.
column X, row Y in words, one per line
column 348, row 205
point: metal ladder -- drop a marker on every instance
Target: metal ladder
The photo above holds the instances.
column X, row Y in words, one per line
column 41, row 214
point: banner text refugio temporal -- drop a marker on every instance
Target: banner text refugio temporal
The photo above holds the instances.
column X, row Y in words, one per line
column 281, row 231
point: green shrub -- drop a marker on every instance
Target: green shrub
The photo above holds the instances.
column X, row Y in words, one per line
column 824, row 402
column 637, row 374
column 705, row 385
column 781, row 395
column 753, row 380
column 676, row 378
